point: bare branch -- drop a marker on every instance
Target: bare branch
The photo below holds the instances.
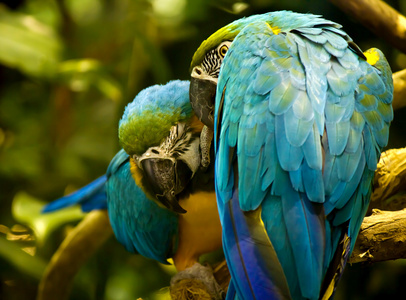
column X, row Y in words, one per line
column 382, row 237
column 379, row 17
column 390, row 181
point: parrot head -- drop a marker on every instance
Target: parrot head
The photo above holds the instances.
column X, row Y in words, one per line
column 205, row 68
column 161, row 134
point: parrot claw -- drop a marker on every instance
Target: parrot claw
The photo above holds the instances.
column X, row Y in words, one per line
column 206, row 137
column 192, row 279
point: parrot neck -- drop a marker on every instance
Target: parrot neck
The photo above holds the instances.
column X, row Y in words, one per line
column 199, row 229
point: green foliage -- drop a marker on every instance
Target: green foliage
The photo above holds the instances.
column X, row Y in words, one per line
column 67, row 69
column 27, row 210
column 22, row 36
column 12, row 254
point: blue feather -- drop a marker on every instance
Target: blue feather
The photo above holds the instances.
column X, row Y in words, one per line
column 290, row 157
column 257, row 271
column 306, row 234
column 312, row 150
column 338, row 133
column 90, row 197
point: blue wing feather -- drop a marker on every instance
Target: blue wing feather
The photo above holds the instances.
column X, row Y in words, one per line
column 90, row 197
column 138, row 222
column 247, row 244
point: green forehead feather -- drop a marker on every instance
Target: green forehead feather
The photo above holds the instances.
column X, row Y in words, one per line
column 227, row 33
column 140, row 132
column 147, row 120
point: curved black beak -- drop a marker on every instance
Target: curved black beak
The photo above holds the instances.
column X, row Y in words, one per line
column 202, row 94
column 167, row 178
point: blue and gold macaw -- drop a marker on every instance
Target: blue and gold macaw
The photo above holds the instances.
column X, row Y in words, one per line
column 300, row 115
column 158, row 169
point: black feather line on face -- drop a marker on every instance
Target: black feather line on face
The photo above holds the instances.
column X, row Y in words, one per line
column 211, row 63
column 182, row 143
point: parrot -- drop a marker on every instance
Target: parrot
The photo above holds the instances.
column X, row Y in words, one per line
column 155, row 175
column 300, row 116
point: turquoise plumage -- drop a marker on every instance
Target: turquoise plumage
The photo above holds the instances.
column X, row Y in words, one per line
column 138, row 223
column 300, row 118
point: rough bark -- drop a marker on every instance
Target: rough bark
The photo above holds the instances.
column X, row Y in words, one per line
column 390, row 181
column 382, row 237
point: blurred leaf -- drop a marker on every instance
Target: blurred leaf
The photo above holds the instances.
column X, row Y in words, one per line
column 25, row 263
column 27, row 44
column 84, row 11
column 81, row 74
column 44, row 11
column 27, row 210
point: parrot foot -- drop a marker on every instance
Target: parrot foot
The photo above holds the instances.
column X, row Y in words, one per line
column 196, row 282
column 206, row 137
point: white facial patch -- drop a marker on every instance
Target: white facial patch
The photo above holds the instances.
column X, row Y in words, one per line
column 179, row 145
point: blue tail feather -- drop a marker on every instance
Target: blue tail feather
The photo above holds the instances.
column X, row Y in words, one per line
column 250, row 255
column 90, row 197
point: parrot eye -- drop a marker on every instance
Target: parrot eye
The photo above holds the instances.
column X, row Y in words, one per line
column 223, row 50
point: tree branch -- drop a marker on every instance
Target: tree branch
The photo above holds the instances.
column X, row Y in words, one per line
column 382, row 237
column 379, row 17
column 390, row 181
column 399, row 93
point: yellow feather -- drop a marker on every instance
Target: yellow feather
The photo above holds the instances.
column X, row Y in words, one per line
column 275, row 29
column 372, row 56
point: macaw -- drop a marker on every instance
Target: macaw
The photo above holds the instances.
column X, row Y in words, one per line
column 160, row 163
column 300, row 115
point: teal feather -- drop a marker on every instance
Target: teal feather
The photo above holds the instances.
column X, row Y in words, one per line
column 354, row 140
column 349, row 60
column 289, row 156
column 312, row 150
column 338, row 133
column 268, row 166
column 338, row 30
column 370, row 149
column 314, row 37
column 335, row 40
column 297, row 180
column 297, row 74
column 385, row 111
column 334, row 113
column 277, row 232
column 382, row 136
column 297, row 130
column 282, row 97
column 310, row 30
column 307, row 239
column 266, row 81
column 312, row 180
column 334, row 51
